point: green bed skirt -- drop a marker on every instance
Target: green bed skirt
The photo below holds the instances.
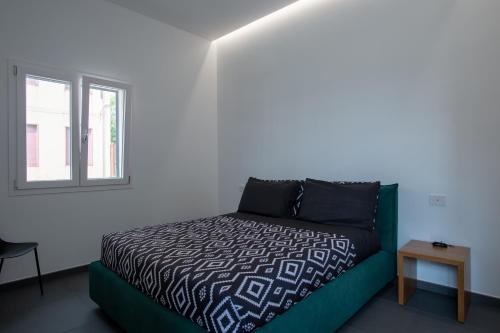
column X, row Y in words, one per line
column 325, row 310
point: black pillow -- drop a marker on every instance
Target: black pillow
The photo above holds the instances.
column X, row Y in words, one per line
column 270, row 198
column 348, row 204
column 294, row 210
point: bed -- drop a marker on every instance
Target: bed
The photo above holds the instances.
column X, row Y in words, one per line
column 139, row 302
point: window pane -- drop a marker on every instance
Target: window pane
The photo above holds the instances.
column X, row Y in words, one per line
column 105, row 133
column 68, row 145
column 90, row 143
column 32, row 145
column 48, row 105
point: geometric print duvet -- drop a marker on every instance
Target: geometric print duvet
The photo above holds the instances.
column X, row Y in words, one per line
column 227, row 274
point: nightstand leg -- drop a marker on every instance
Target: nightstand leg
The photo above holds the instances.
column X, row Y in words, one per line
column 407, row 278
column 463, row 282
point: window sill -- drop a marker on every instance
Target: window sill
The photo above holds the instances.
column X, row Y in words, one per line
column 43, row 191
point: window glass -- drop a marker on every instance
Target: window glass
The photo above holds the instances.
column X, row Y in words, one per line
column 105, row 133
column 48, row 105
column 32, row 146
column 90, row 160
column 68, row 145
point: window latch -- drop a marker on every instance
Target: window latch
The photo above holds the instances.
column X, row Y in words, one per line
column 85, row 136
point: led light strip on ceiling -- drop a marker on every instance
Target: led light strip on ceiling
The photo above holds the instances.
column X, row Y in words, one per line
column 285, row 12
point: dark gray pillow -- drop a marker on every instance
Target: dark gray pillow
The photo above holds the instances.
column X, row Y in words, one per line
column 347, row 204
column 269, row 197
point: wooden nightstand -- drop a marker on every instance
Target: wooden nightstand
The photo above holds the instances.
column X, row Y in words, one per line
column 456, row 256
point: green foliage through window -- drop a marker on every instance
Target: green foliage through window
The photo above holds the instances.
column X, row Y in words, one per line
column 112, row 107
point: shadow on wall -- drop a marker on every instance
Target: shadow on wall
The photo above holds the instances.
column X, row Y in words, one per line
column 200, row 107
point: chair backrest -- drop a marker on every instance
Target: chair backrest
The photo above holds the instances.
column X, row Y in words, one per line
column 2, row 245
column 386, row 221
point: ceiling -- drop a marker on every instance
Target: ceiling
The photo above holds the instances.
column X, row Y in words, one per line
column 210, row 19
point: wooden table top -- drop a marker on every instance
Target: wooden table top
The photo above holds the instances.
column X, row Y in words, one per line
column 452, row 255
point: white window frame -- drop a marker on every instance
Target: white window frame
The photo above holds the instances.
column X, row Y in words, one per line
column 88, row 81
column 20, row 72
column 17, row 132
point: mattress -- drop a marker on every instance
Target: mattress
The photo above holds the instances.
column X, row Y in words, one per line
column 235, row 272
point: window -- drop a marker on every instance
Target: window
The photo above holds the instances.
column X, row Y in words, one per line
column 32, row 146
column 91, row 147
column 44, row 101
column 70, row 130
column 67, row 140
column 105, row 108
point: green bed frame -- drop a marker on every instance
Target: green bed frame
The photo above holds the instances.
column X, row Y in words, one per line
column 325, row 310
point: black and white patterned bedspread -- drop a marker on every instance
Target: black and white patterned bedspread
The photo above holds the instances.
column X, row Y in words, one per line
column 225, row 273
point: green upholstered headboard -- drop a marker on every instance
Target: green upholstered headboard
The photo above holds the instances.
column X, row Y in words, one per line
column 386, row 221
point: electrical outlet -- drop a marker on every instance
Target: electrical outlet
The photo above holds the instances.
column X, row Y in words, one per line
column 438, row 200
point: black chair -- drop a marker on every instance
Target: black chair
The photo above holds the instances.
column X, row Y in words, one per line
column 12, row 250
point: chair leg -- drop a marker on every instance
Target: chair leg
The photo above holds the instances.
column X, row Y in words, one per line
column 38, row 271
column 1, row 264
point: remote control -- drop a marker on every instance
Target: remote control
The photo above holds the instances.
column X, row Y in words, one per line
column 440, row 244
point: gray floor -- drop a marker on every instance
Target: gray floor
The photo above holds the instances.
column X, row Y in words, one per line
column 67, row 308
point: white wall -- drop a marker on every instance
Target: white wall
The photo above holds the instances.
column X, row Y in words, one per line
column 174, row 125
column 397, row 90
